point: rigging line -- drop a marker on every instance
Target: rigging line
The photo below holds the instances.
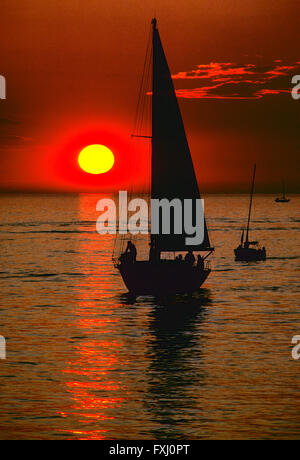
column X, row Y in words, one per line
column 120, row 238
column 146, row 104
column 142, row 80
column 144, row 92
column 145, row 119
column 250, row 205
column 143, row 97
column 138, row 122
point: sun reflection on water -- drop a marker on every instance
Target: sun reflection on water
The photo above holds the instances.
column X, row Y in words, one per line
column 85, row 361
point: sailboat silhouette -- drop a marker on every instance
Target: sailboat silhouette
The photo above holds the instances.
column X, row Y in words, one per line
column 172, row 176
column 249, row 250
column 283, row 198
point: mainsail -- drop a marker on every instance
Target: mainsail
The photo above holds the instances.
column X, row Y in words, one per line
column 173, row 174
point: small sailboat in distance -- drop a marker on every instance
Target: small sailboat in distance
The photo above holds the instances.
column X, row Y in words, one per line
column 283, row 198
column 249, row 250
column 172, row 177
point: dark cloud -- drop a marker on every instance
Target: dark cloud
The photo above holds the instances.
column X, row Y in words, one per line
column 227, row 80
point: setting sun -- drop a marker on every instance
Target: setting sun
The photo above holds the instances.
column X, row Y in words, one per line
column 96, row 159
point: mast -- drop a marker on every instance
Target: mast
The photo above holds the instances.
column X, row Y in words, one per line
column 250, row 206
column 283, row 189
column 153, row 238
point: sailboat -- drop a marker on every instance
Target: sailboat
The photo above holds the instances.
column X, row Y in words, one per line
column 249, row 250
column 172, row 176
column 283, row 198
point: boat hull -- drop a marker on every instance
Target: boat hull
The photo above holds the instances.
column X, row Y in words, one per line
column 282, row 200
column 249, row 254
column 167, row 277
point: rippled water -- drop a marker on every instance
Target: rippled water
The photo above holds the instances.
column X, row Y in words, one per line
column 83, row 362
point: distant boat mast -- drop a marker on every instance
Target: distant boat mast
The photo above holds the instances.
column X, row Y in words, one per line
column 283, row 189
column 283, row 198
column 250, row 206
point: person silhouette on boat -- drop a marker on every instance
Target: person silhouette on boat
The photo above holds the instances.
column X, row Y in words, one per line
column 190, row 258
column 200, row 262
column 129, row 255
column 154, row 254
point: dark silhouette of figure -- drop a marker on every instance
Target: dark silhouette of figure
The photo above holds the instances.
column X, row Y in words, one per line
column 179, row 258
column 200, row 262
column 129, row 255
column 190, row 258
column 154, row 254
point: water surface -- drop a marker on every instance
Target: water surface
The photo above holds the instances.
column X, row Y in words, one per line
column 85, row 362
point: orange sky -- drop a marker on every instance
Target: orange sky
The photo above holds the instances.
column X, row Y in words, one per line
column 73, row 70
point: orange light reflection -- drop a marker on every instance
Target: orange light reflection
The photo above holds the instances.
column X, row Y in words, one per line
column 93, row 376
